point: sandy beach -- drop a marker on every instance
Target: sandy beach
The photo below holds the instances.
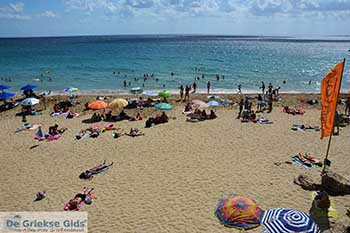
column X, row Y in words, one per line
column 171, row 179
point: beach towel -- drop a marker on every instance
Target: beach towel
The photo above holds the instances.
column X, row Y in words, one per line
column 296, row 160
column 263, row 120
column 331, row 212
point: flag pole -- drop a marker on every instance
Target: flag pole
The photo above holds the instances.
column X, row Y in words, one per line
column 336, row 106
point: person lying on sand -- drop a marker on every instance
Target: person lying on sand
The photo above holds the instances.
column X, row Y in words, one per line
column 53, row 130
column 83, row 196
column 134, row 132
column 88, row 174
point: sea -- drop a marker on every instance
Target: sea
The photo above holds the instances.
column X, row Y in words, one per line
column 96, row 64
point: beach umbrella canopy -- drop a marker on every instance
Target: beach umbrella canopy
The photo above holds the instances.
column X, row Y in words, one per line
column 71, row 89
column 118, row 104
column 136, row 90
column 97, row 104
column 165, row 94
column 240, row 212
column 213, row 103
column 199, row 103
column 4, row 87
column 30, row 102
column 150, row 93
column 6, row 95
column 29, row 87
column 288, row 221
column 163, row 106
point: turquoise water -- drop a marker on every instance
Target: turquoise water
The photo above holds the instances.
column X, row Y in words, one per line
column 89, row 62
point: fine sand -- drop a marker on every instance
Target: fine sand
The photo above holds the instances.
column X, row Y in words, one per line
column 171, row 179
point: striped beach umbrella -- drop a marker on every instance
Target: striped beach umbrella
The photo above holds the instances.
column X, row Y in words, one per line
column 289, row 221
column 97, row 104
column 238, row 211
column 136, row 90
column 30, row 102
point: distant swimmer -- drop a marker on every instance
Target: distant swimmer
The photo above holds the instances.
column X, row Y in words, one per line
column 310, row 82
column 284, row 81
column 172, row 74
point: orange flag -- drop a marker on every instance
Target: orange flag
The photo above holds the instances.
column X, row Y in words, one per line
column 329, row 97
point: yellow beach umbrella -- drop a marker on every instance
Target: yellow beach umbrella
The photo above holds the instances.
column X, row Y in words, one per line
column 118, row 104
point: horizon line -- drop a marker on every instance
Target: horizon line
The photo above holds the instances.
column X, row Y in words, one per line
column 295, row 36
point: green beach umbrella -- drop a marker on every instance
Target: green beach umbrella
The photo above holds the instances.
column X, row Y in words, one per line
column 165, row 94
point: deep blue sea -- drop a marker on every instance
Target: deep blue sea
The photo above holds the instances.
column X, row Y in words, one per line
column 88, row 62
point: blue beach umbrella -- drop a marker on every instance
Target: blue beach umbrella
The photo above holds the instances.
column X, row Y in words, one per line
column 4, row 87
column 163, row 106
column 214, row 103
column 29, row 87
column 288, row 221
column 6, row 95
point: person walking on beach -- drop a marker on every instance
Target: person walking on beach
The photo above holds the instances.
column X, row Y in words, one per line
column 239, row 89
column 269, row 101
column 208, row 87
column 241, row 103
column 181, row 92
column 187, row 93
column 262, row 87
column 194, row 85
column 270, row 88
column 124, row 83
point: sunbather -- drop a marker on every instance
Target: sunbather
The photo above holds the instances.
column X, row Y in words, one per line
column 53, row 130
column 134, row 132
column 88, row 174
column 84, row 196
column 212, row 115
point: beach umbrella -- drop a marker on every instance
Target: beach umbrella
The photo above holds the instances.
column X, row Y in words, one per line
column 199, row 103
column 136, row 90
column 30, row 102
column 150, row 93
column 165, row 94
column 163, row 106
column 118, row 104
column 238, row 211
column 4, row 87
column 288, row 221
column 97, row 105
column 6, row 95
column 213, row 103
column 29, row 87
column 71, row 89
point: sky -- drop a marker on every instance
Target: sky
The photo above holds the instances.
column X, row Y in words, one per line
column 24, row 18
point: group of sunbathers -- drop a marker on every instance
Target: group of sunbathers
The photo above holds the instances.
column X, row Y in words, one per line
column 159, row 119
column 195, row 114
